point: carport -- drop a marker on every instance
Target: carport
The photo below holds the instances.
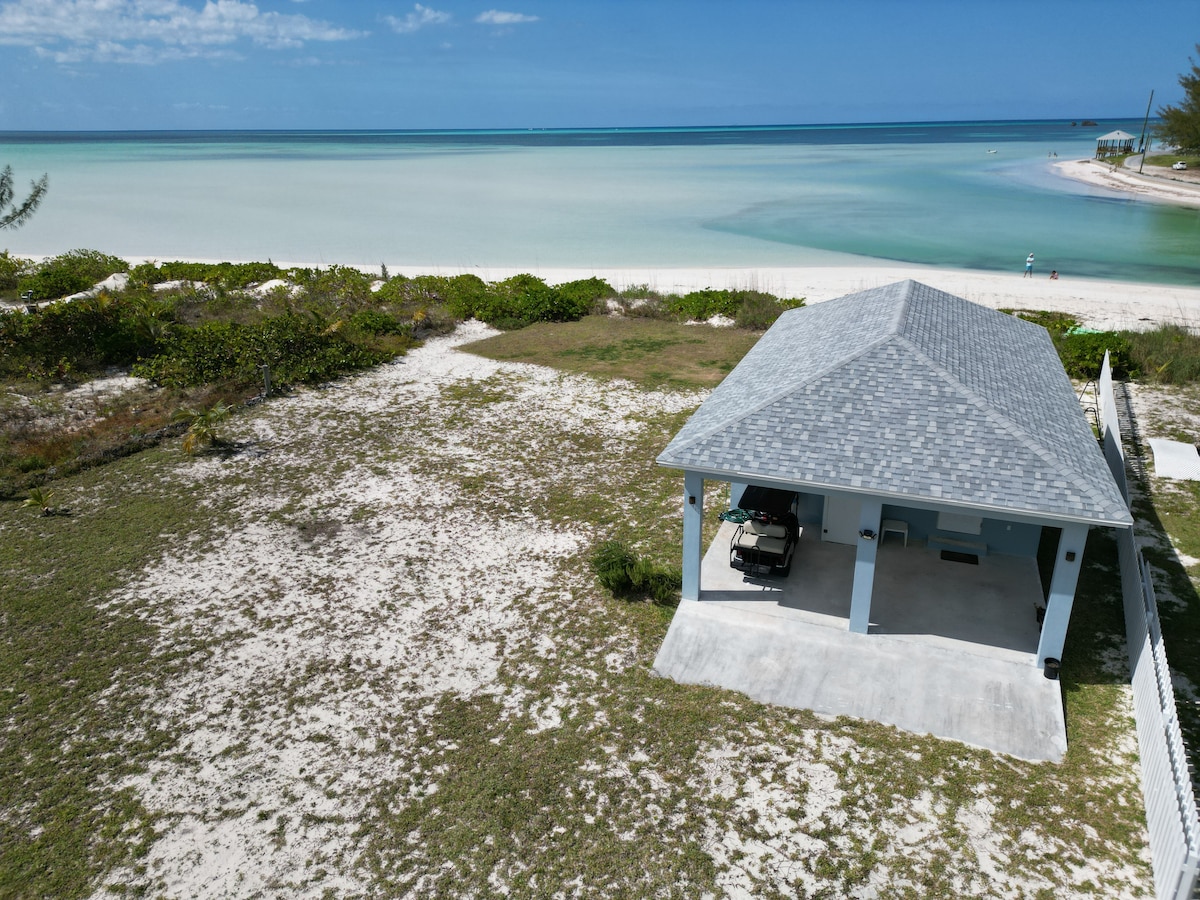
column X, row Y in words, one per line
column 910, row 419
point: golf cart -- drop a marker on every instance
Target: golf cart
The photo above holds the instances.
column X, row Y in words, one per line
column 767, row 532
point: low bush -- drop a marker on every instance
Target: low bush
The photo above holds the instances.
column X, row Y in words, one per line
column 376, row 322
column 645, row 308
column 1056, row 323
column 586, row 293
column 338, row 286
column 524, row 299
column 631, row 577
column 755, row 310
column 70, row 273
column 12, row 270
column 462, row 296
column 641, row 292
column 231, row 276
column 81, row 335
column 519, row 301
column 759, row 311
column 702, row 305
column 1082, row 353
column 298, row 349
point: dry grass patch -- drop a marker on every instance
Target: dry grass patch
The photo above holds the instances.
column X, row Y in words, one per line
column 650, row 353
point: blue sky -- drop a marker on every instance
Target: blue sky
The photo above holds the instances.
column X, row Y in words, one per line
column 168, row 64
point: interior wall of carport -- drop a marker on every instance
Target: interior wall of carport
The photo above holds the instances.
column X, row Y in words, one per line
column 1003, row 537
column 1007, row 538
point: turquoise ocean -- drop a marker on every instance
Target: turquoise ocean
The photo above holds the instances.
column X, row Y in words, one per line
column 976, row 195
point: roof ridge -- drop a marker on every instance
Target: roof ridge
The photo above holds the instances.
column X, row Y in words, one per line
column 1014, row 429
column 749, row 410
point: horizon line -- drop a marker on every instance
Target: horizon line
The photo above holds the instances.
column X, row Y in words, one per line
column 599, row 129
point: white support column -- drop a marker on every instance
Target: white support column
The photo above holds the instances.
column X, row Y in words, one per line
column 864, row 565
column 1067, row 563
column 693, row 519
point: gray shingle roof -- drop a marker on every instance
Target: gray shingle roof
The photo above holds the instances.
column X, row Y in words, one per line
column 907, row 392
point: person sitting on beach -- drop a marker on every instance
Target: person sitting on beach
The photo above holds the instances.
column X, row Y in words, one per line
column 1054, row 274
column 1028, row 266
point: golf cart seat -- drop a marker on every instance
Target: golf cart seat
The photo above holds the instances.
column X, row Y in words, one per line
column 765, row 542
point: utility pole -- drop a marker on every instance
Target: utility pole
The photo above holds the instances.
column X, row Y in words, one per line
column 1145, row 121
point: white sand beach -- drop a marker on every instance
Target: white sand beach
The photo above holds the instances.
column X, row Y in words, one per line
column 1154, row 184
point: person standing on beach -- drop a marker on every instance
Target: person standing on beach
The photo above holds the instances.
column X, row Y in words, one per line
column 1028, row 266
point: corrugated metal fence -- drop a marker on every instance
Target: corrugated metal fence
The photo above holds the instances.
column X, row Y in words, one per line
column 1166, row 781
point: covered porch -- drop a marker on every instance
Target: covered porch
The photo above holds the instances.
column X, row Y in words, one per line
column 950, row 650
column 898, row 413
column 984, row 609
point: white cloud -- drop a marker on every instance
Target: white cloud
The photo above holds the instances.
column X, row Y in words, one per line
column 417, row 19
column 151, row 31
column 499, row 17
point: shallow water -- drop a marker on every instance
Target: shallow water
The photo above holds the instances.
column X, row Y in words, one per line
column 916, row 193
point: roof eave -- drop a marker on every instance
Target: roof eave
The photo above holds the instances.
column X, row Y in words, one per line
column 995, row 512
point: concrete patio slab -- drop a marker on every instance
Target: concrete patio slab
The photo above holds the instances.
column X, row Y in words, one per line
column 952, row 648
column 996, row 704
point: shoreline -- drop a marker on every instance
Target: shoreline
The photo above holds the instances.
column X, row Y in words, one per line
column 1129, row 184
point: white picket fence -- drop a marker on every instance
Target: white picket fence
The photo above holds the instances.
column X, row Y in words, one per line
column 1166, row 780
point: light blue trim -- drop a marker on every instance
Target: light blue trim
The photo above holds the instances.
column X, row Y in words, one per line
column 864, row 565
column 1062, row 593
column 693, row 519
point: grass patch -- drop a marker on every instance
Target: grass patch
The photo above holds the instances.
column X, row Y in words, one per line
column 651, row 353
column 1166, row 160
column 77, row 676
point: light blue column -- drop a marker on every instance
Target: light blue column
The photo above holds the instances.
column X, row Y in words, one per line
column 864, row 566
column 736, row 489
column 1062, row 592
column 693, row 518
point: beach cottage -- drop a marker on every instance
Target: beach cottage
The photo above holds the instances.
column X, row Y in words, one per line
column 927, row 449
column 1114, row 143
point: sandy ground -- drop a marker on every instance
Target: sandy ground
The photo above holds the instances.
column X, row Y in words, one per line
column 360, row 587
column 1156, row 185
